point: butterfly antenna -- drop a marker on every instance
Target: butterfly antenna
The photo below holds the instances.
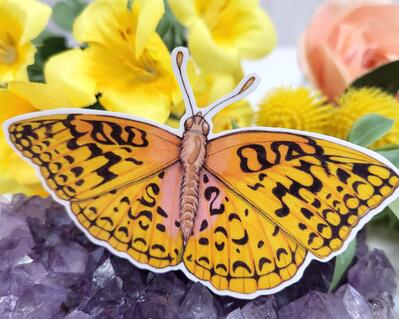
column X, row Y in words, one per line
column 246, row 86
column 180, row 57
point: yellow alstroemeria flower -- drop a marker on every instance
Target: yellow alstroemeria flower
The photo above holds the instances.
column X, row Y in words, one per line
column 20, row 22
column 126, row 58
column 23, row 97
column 221, row 32
column 17, row 176
column 207, row 88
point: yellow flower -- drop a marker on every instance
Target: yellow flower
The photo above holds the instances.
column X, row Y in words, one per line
column 296, row 109
column 73, row 89
column 17, row 176
column 208, row 88
column 127, row 60
column 20, row 22
column 24, row 97
column 221, row 32
column 356, row 103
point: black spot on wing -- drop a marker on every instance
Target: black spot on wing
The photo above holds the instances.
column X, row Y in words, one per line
column 241, row 264
column 241, row 241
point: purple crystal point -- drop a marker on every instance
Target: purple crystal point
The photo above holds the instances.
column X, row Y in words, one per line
column 106, row 295
column 7, row 305
column 33, row 207
column 105, row 277
column 260, row 308
column 41, row 301
column 199, row 304
column 315, row 305
column 156, row 306
column 382, row 306
column 10, row 222
column 317, row 277
column 17, row 279
column 235, row 314
column 169, row 284
column 14, row 247
column 68, row 259
column 373, row 275
column 78, row 315
column 355, row 304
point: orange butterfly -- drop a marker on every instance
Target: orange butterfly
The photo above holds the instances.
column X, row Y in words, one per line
column 244, row 211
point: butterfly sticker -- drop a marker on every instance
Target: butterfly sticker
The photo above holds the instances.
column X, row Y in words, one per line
column 242, row 211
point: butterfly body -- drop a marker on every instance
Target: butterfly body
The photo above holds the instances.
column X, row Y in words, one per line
column 244, row 211
column 192, row 157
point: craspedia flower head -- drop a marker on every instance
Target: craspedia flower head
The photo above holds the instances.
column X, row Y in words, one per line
column 356, row 103
column 299, row 109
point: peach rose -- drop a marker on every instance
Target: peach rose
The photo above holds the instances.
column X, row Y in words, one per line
column 346, row 39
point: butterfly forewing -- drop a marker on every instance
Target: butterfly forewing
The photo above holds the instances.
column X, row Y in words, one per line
column 316, row 190
column 235, row 247
column 84, row 155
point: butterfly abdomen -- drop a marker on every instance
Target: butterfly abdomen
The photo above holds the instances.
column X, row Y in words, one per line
column 192, row 156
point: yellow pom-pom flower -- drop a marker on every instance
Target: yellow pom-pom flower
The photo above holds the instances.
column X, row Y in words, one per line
column 356, row 103
column 299, row 109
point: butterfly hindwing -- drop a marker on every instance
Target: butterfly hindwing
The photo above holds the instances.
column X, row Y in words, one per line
column 83, row 155
column 234, row 247
column 140, row 220
column 315, row 189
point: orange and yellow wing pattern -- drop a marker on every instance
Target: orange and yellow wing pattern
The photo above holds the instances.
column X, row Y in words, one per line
column 83, row 155
column 315, row 190
column 115, row 174
column 235, row 247
column 140, row 219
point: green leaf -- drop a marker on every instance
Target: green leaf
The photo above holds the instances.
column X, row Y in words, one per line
column 342, row 263
column 384, row 77
column 394, row 206
column 49, row 47
column 234, row 124
column 38, row 42
column 369, row 129
column 65, row 13
column 96, row 106
column 391, row 155
column 170, row 30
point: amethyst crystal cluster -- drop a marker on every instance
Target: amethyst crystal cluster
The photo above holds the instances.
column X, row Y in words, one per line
column 49, row 269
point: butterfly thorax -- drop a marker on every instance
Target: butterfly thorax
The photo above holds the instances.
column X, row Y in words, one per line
column 192, row 156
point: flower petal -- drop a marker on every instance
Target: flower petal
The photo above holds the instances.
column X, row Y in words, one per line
column 74, row 82
column 41, row 96
column 184, row 11
column 34, row 15
column 145, row 88
column 148, row 104
column 150, row 13
column 264, row 33
column 246, row 27
column 11, row 105
column 109, row 23
column 207, row 54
